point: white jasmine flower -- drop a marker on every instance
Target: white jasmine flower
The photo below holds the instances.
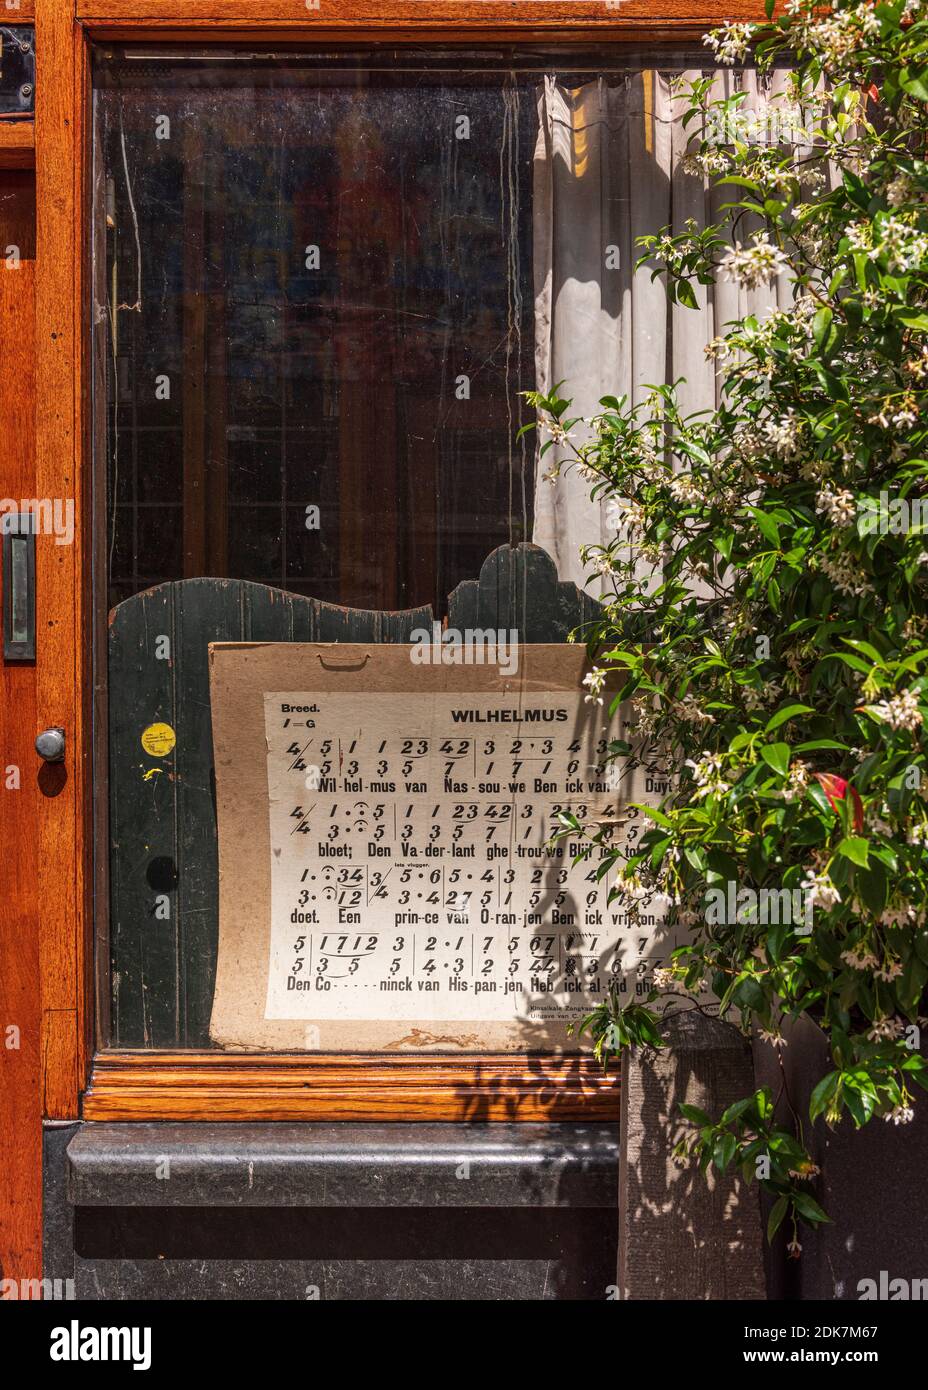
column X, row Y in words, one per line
column 595, row 680
column 755, row 265
column 860, row 235
column 626, row 516
column 844, row 573
column 798, row 781
column 730, row 43
column 917, row 366
column 682, row 488
column 689, row 711
column 898, row 916
column 707, row 774
column 906, row 415
column 784, row 434
column 860, row 960
column 556, row 430
column 767, row 694
column 813, row 469
column 820, row 889
column 718, row 350
column 709, row 160
column 885, row 1030
column 588, row 472
column 899, row 190
column 838, row 506
column 903, row 246
column 899, row 712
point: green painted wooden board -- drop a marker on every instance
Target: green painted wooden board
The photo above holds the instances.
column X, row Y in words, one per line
column 163, row 863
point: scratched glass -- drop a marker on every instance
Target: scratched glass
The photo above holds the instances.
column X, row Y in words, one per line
column 313, row 285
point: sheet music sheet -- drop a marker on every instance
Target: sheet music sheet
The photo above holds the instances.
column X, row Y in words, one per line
column 411, row 893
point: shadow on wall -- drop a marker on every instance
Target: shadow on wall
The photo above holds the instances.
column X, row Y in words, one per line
column 683, row 1235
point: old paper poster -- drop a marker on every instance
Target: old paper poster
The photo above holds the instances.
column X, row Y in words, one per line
column 387, row 873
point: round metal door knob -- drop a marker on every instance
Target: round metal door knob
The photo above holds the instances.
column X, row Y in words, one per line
column 50, row 745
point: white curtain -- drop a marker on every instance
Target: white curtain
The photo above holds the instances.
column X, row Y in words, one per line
column 608, row 169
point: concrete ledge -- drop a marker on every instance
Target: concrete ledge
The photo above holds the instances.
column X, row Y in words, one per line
column 343, row 1165
column 682, row 1235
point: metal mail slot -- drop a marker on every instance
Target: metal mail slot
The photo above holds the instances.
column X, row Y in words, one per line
column 18, row 586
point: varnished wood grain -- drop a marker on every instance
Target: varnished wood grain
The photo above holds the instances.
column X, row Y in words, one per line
column 62, row 653
column 20, row 1100
column 577, row 19
column 17, row 144
column 382, row 1086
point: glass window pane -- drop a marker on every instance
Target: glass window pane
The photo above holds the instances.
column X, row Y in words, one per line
column 318, row 295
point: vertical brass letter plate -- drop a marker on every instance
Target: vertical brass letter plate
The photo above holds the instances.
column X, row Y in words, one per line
column 18, row 530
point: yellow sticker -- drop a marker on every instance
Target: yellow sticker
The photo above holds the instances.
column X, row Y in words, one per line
column 158, row 740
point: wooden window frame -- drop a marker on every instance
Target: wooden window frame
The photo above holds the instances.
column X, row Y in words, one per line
column 111, row 1084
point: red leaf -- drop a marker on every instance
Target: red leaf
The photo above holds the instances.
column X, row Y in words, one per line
column 836, row 789
column 833, row 786
column 858, row 809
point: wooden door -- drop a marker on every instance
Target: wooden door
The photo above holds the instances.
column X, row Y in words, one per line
column 21, row 772
column 44, row 891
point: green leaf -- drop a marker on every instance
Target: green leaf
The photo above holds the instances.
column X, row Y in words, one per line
column 856, row 663
column 912, row 80
column 724, row 1151
column 695, row 1116
column 809, row 1209
column 659, row 850
column 767, row 526
column 866, row 647
column 823, row 1093
column 855, row 848
column 776, row 755
column 821, row 325
column 777, row 1213
column 736, row 1110
column 777, row 936
column 788, row 712
column 748, row 993
column 873, row 887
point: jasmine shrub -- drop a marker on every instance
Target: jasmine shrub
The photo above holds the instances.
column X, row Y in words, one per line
column 778, row 652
